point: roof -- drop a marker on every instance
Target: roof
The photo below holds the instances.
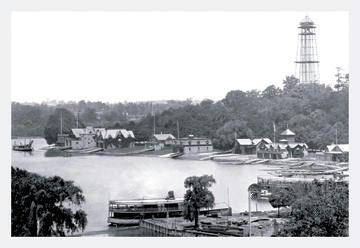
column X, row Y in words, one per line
column 257, row 141
column 77, row 132
column 344, row 147
column 288, row 132
column 147, row 201
column 131, row 134
column 341, row 147
column 163, row 137
column 293, row 145
column 244, row 142
column 113, row 133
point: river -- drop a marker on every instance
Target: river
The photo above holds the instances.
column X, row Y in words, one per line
column 108, row 177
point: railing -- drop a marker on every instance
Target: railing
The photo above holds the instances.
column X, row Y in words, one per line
column 144, row 210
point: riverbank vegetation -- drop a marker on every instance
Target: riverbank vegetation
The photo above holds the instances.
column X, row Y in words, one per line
column 45, row 206
column 313, row 111
column 315, row 209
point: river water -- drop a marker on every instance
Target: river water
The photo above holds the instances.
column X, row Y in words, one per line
column 104, row 177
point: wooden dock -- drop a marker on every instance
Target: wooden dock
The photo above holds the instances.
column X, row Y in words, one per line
column 162, row 229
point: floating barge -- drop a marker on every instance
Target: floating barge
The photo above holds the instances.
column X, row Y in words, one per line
column 130, row 212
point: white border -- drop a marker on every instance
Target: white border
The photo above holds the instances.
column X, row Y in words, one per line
column 6, row 6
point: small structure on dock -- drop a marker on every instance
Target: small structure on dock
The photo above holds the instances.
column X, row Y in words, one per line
column 160, row 141
column 82, row 138
column 337, row 153
column 192, row 144
column 63, row 140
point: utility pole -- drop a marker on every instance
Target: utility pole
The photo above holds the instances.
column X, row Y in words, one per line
column 153, row 113
column 61, row 123
column 178, row 129
column 249, row 198
column 154, row 124
column 274, row 132
column 77, row 120
column 336, row 135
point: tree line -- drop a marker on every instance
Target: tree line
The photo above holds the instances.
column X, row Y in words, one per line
column 315, row 112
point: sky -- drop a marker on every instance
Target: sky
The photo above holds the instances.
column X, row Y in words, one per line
column 148, row 56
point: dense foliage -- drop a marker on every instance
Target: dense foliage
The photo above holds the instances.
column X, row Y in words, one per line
column 317, row 208
column 29, row 119
column 52, row 127
column 312, row 111
column 43, row 206
column 197, row 196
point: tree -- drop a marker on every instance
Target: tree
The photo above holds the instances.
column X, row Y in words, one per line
column 320, row 209
column 280, row 197
column 225, row 135
column 197, row 196
column 171, row 195
column 89, row 115
column 42, row 206
column 271, row 91
column 52, row 128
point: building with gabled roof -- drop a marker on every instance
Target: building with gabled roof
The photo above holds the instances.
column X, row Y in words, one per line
column 82, row 138
column 192, row 144
column 248, row 146
column 337, row 153
column 286, row 148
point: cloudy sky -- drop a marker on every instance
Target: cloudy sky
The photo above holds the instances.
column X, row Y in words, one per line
column 139, row 56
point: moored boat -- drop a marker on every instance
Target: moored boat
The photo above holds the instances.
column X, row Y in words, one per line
column 130, row 212
column 23, row 147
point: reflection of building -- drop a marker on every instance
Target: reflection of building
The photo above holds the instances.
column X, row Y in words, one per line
column 193, row 144
column 286, row 148
column 337, row 153
column 248, row 146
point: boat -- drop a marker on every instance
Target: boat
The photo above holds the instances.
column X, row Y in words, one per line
column 23, row 147
column 130, row 212
column 176, row 155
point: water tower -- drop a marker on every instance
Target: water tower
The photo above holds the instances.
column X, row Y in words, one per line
column 307, row 63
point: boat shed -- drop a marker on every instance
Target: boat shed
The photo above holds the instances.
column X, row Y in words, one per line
column 248, row 146
column 337, row 153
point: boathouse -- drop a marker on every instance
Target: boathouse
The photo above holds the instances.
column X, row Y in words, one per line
column 337, row 153
column 160, row 141
column 192, row 144
column 82, row 138
column 110, row 138
column 248, row 146
column 63, row 140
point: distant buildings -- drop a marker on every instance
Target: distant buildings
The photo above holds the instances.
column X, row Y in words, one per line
column 337, row 153
column 248, row 146
column 82, row 138
column 89, row 137
column 111, row 138
column 160, row 141
column 286, row 148
column 63, row 140
column 193, row 144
